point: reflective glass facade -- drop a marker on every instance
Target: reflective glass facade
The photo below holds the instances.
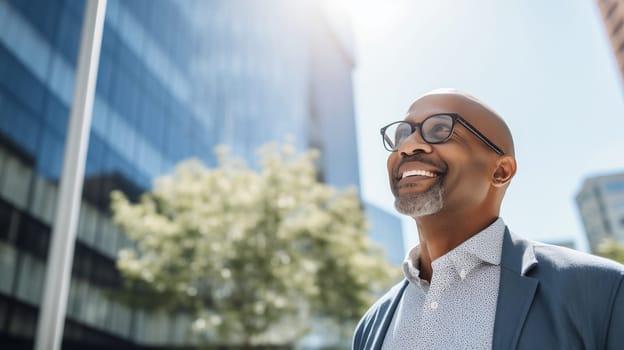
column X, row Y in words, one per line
column 601, row 205
column 175, row 79
column 387, row 230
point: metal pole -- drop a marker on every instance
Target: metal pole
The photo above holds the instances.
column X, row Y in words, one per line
column 61, row 252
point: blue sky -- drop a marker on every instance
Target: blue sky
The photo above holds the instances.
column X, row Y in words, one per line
column 545, row 66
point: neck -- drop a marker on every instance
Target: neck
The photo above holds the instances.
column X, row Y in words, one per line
column 440, row 233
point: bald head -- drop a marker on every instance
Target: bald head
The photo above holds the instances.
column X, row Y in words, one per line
column 476, row 112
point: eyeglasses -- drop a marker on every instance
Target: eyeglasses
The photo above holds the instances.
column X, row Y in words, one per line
column 435, row 129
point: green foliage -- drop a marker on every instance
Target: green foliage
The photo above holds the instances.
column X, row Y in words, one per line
column 612, row 249
column 254, row 255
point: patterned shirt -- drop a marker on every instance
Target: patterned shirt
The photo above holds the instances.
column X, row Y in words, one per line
column 455, row 311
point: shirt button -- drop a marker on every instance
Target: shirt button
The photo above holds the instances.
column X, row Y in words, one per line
column 434, row 305
column 462, row 274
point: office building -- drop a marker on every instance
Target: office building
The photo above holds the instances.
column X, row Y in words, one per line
column 601, row 205
column 175, row 79
column 387, row 230
column 612, row 13
column 562, row 242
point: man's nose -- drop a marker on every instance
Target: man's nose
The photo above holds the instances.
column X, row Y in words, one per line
column 414, row 144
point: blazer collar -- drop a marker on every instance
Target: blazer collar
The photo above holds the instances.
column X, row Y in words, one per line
column 516, row 290
column 518, row 254
column 388, row 314
column 515, row 295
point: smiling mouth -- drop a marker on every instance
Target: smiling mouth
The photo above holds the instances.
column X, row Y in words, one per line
column 418, row 172
column 416, row 181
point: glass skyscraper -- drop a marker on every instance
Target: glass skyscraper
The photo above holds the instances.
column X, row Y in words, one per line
column 601, row 206
column 386, row 229
column 175, row 79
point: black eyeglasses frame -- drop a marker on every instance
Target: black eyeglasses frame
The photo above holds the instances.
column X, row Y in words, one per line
column 456, row 118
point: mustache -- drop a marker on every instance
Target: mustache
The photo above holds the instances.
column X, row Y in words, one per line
column 421, row 158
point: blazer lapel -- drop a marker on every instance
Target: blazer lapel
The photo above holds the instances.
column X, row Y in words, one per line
column 380, row 334
column 516, row 291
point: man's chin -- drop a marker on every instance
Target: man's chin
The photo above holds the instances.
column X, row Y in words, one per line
column 420, row 204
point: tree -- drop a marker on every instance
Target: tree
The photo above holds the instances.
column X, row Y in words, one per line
column 252, row 254
column 612, row 249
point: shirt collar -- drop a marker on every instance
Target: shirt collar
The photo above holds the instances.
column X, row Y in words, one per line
column 483, row 247
column 486, row 245
column 411, row 265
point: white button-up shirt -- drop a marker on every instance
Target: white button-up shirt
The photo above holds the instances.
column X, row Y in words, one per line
column 457, row 310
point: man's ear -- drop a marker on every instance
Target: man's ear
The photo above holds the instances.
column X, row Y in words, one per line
column 504, row 172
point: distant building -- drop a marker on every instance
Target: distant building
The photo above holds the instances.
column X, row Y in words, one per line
column 175, row 79
column 601, row 205
column 562, row 242
column 386, row 229
column 612, row 13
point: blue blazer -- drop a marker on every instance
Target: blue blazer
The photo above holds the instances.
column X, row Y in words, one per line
column 549, row 298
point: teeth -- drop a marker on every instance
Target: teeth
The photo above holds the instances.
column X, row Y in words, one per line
column 418, row 173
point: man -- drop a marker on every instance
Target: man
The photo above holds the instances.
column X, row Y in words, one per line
column 471, row 283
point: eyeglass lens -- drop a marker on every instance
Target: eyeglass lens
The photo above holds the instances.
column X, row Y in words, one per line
column 435, row 129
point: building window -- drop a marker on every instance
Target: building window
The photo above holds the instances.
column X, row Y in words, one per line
column 617, row 27
column 611, row 9
column 8, row 263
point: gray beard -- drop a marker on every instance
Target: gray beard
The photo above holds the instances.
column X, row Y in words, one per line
column 421, row 204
